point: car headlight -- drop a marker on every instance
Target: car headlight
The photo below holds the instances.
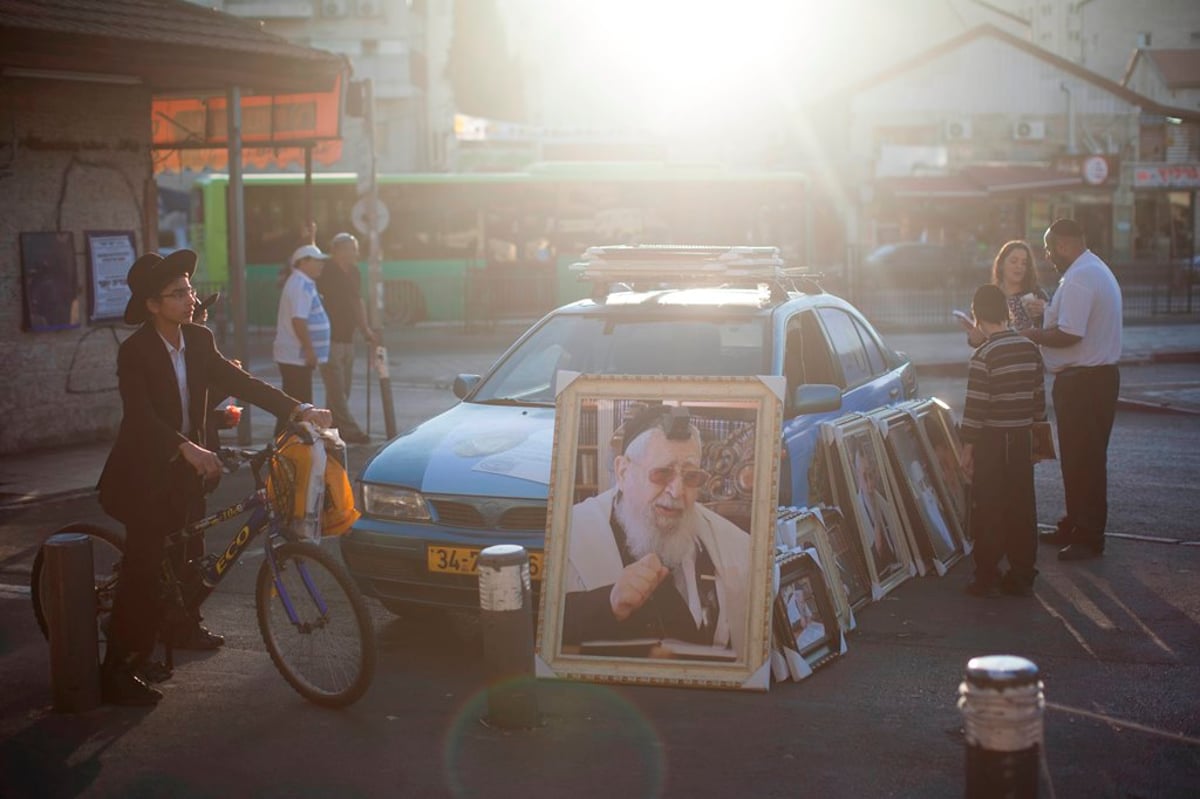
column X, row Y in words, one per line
column 393, row 502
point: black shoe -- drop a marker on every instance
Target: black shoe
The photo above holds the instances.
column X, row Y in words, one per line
column 1061, row 536
column 195, row 637
column 121, row 686
column 153, row 671
column 1079, row 552
column 1015, row 586
column 980, row 589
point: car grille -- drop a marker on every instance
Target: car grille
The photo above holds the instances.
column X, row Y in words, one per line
column 457, row 514
column 523, row 519
column 484, row 513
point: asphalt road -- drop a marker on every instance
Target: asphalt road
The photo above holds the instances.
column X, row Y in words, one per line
column 1118, row 642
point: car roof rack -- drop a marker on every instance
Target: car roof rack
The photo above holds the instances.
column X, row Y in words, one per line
column 672, row 266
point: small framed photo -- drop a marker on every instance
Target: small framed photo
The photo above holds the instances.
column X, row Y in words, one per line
column 931, row 526
column 937, row 425
column 866, row 499
column 806, row 529
column 50, row 281
column 806, row 624
column 661, row 530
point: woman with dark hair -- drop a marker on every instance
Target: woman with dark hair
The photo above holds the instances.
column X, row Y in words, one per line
column 1015, row 272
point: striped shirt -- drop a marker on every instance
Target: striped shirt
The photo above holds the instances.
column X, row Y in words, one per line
column 1005, row 386
column 300, row 300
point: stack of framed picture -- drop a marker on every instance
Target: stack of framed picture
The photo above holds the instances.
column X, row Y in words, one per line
column 857, row 464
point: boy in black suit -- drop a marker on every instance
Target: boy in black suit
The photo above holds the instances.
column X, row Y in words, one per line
column 153, row 481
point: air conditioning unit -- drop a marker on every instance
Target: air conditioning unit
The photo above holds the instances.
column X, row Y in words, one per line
column 369, row 8
column 335, row 8
column 1029, row 130
column 957, row 129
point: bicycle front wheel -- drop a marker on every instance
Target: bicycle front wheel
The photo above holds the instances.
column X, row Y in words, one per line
column 315, row 624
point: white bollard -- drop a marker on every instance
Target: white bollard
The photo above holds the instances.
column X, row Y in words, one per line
column 1001, row 702
column 507, row 622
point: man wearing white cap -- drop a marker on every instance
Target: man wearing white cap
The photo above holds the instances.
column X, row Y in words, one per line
column 302, row 326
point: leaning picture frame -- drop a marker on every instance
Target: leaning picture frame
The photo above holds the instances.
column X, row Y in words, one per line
column 805, row 528
column 49, row 281
column 805, row 621
column 927, row 517
column 670, row 454
column 866, row 499
column 936, row 422
column 850, row 560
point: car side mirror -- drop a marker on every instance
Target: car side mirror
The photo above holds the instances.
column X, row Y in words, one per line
column 463, row 385
column 815, row 398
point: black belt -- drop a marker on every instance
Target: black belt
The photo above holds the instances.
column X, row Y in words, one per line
column 1079, row 370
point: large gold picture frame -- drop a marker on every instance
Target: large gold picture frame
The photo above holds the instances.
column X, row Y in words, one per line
column 596, row 494
column 866, row 499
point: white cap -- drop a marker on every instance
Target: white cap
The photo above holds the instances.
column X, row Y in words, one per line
column 307, row 251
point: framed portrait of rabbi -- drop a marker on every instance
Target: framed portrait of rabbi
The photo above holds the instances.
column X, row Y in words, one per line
column 661, row 528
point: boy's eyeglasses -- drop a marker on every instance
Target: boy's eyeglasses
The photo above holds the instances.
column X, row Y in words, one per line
column 664, row 475
column 179, row 294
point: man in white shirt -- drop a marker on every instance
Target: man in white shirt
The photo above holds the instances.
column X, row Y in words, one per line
column 302, row 326
column 1081, row 345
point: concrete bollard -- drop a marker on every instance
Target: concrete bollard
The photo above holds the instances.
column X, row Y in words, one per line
column 71, row 622
column 506, row 619
column 1001, row 702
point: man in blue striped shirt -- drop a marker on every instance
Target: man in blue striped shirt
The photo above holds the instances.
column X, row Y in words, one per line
column 302, row 326
column 1005, row 395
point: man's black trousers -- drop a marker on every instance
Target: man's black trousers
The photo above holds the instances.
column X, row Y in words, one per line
column 1085, row 404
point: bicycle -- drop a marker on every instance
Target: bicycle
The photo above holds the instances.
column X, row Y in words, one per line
column 312, row 617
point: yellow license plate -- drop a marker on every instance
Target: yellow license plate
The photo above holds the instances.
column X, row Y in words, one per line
column 463, row 560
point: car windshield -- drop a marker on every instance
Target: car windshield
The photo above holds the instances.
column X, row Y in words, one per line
column 604, row 345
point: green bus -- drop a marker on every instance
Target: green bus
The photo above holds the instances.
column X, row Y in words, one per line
column 481, row 246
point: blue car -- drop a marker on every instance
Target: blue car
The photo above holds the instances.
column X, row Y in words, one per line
column 478, row 474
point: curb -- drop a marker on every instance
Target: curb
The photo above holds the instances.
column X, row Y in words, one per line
column 34, row 500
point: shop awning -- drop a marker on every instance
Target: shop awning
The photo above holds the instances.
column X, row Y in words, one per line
column 930, row 187
column 980, row 181
column 1007, row 178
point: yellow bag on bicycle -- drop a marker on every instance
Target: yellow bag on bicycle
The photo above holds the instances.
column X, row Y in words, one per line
column 309, row 487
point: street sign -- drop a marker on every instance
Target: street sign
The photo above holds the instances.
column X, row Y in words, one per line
column 358, row 215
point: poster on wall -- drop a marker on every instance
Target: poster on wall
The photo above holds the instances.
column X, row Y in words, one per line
column 49, row 281
column 110, row 254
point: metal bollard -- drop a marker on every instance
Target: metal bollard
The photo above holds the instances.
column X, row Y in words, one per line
column 507, row 622
column 1001, row 702
column 71, row 622
column 385, row 392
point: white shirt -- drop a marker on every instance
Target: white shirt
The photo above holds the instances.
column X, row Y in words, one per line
column 179, row 362
column 1087, row 304
column 300, row 300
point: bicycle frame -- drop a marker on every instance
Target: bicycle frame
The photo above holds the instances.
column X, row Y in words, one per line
column 212, row 570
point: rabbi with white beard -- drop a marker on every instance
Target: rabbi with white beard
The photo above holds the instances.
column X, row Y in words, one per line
column 645, row 560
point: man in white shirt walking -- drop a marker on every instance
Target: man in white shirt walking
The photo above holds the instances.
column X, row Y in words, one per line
column 1081, row 345
column 302, row 326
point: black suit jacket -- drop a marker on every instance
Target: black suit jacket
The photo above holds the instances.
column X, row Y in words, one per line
column 145, row 480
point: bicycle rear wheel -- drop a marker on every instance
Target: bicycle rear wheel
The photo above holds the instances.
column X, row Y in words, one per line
column 108, row 547
column 315, row 625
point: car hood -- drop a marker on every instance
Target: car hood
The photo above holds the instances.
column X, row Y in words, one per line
column 472, row 449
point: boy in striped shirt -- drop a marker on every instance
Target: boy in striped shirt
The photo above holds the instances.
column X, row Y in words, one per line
column 1005, row 396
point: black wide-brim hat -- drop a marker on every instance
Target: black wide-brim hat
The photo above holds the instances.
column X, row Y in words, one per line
column 149, row 275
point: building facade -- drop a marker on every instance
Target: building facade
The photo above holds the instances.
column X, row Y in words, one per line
column 401, row 47
column 988, row 138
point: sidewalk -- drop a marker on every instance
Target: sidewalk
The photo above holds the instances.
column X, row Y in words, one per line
column 429, row 357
